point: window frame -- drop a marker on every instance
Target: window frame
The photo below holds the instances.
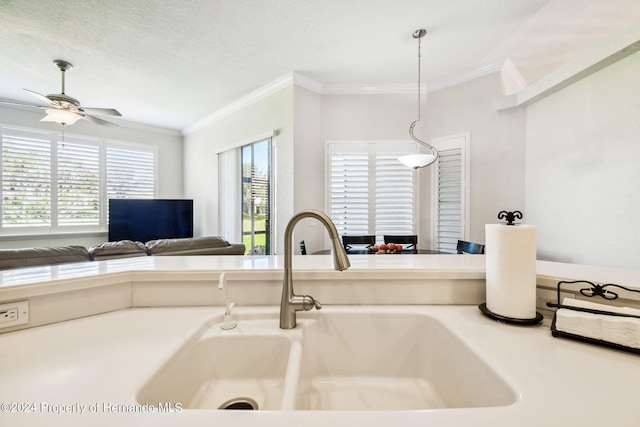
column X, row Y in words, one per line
column 229, row 191
column 54, row 228
column 372, row 148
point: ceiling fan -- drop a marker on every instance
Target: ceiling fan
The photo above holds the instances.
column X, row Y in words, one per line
column 64, row 109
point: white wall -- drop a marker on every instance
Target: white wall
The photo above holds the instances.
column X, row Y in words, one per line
column 272, row 113
column 370, row 117
column 170, row 176
column 497, row 143
column 497, row 147
column 583, row 169
column 308, row 167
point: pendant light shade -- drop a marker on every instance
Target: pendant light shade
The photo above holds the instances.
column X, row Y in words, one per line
column 419, row 160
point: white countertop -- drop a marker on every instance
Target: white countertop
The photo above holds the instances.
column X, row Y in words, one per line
column 419, row 264
column 103, row 360
column 359, row 263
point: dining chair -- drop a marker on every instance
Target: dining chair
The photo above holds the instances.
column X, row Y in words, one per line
column 411, row 240
column 470, row 247
column 347, row 241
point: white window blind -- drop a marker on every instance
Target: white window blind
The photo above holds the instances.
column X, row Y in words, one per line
column 450, row 187
column 130, row 174
column 26, row 180
column 395, row 196
column 78, row 184
column 370, row 191
column 50, row 186
column 349, row 192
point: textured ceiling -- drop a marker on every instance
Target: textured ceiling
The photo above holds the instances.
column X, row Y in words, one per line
column 171, row 63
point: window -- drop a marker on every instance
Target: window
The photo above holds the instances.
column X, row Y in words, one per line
column 370, row 191
column 53, row 186
column 451, row 193
column 244, row 195
column 256, row 170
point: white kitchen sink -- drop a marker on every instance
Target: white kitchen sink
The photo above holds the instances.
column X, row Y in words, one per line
column 364, row 359
column 221, row 368
column 397, row 361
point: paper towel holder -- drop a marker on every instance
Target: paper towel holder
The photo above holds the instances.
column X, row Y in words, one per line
column 511, row 320
column 593, row 290
column 510, row 217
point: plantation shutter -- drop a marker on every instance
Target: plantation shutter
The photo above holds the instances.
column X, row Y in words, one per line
column 130, row 174
column 26, row 179
column 50, row 183
column 395, row 196
column 449, row 201
column 370, row 191
column 451, row 185
column 349, row 192
column 78, row 184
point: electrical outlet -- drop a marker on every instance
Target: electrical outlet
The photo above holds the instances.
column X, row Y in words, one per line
column 543, row 296
column 8, row 315
column 14, row 313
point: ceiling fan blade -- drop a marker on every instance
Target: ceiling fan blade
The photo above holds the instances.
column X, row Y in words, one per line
column 20, row 104
column 99, row 121
column 102, row 111
column 42, row 98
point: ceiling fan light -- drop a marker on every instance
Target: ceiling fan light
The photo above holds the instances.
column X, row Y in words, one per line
column 416, row 161
column 62, row 117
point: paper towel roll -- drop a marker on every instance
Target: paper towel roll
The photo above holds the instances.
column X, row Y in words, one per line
column 511, row 270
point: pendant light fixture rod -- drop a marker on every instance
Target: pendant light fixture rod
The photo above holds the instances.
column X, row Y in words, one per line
column 419, row 34
column 63, row 66
column 425, row 160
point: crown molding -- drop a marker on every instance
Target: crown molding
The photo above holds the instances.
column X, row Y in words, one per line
column 252, row 97
column 307, row 83
column 612, row 50
column 512, row 80
column 122, row 123
column 298, row 79
column 142, row 127
column 482, row 70
column 386, row 89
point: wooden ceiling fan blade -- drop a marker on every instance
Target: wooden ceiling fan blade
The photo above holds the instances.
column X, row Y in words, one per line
column 42, row 98
column 99, row 121
column 102, row 111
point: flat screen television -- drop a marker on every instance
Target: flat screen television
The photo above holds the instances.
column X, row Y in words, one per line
column 149, row 219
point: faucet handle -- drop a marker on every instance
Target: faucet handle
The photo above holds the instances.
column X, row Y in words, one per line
column 308, row 302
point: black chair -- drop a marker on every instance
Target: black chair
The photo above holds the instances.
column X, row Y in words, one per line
column 470, row 247
column 303, row 248
column 411, row 240
column 368, row 241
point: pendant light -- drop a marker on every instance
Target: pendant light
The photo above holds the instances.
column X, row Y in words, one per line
column 419, row 160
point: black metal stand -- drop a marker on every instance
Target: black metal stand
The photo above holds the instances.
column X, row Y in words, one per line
column 511, row 320
column 607, row 291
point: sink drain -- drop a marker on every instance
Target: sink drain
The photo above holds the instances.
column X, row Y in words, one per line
column 242, row 403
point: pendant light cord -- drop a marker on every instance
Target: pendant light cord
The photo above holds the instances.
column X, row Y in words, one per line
column 419, row 73
column 418, row 34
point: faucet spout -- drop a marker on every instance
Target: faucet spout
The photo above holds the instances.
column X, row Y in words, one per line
column 292, row 303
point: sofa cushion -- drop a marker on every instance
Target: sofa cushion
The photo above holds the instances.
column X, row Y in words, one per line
column 210, row 245
column 25, row 257
column 119, row 249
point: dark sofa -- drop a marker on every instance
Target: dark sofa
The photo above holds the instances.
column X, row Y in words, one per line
column 209, row 245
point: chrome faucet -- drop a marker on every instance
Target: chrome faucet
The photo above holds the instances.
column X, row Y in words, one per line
column 291, row 302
